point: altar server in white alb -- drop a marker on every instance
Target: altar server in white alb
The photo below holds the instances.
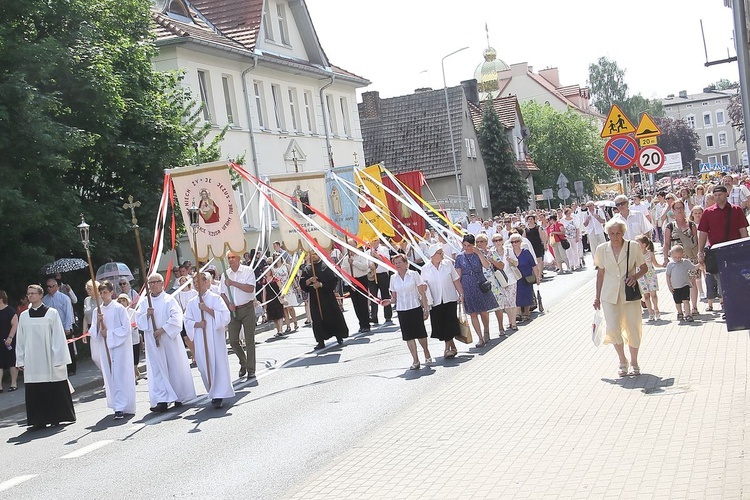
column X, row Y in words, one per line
column 42, row 353
column 113, row 326
column 169, row 379
column 210, row 317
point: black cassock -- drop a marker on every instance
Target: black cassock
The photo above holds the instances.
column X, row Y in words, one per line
column 332, row 323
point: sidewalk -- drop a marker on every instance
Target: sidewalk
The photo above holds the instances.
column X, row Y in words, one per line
column 544, row 415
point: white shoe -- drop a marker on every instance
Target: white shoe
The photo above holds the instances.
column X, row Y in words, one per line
column 651, row 317
column 657, row 316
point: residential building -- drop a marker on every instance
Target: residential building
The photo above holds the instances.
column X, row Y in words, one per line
column 412, row 132
column 706, row 113
column 257, row 67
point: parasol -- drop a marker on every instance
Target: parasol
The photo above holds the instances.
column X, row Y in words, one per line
column 604, row 203
column 63, row 266
column 112, row 270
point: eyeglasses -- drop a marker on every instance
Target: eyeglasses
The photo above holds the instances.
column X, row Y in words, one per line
column 51, row 286
column 497, row 240
column 124, row 283
column 154, row 282
column 513, row 242
column 621, row 203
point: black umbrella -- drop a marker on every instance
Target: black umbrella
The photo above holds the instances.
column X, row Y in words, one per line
column 64, row 265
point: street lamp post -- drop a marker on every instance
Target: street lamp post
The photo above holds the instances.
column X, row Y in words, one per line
column 450, row 125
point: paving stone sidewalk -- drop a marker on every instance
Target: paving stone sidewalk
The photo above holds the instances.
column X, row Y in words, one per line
column 544, row 415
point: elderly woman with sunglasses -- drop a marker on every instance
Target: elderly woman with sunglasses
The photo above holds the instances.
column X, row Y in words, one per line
column 527, row 265
column 483, row 247
column 470, row 266
column 446, row 291
column 505, row 295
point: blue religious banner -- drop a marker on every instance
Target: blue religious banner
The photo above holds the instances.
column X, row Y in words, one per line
column 342, row 203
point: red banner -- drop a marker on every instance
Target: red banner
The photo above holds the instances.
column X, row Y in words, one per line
column 403, row 215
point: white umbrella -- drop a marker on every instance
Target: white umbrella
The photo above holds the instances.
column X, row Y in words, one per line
column 114, row 270
column 604, row 203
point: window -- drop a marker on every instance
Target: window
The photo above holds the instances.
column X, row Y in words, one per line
column 258, row 89
column 712, row 160
column 332, row 126
column 283, row 27
column 293, row 109
column 468, row 147
column 267, row 24
column 205, row 92
column 725, row 160
column 722, row 139
column 229, row 102
column 709, row 140
column 309, row 116
column 704, row 103
column 688, row 105
column 669, row 108
column 483, row 196
column 278, row 111
column 691, row 121
column 345, row 116
column 720, row 117
column 470, row 197
column 706, row 119
column 473, row 148
column 243, row 204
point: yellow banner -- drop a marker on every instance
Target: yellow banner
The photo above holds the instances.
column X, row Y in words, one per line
column 604, row 189
column 372, row 193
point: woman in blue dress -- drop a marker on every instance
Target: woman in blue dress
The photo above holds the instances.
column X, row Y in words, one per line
column 470, row 266
column 528, row 267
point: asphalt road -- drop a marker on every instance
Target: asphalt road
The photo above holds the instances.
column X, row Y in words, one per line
column 305, row 409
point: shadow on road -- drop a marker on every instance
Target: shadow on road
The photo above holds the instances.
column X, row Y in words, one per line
column 324, row 359
column 208, row 412
column 647, row 383
column 31, row 435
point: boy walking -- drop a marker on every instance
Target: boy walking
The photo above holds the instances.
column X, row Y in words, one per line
column 678, row 281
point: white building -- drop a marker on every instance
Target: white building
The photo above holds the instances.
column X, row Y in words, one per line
column 257, row 67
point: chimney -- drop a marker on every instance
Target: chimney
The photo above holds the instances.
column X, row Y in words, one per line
column 683, row 94
column 422, row 90
column 552, row 75
column 471, row 90
column 371, row 104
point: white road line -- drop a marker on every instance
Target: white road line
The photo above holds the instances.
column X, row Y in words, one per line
column 88, row 449
column 6, row 485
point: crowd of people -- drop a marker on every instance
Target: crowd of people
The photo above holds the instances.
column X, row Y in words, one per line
column 494, row 270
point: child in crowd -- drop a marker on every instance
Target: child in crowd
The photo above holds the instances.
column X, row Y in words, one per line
column 678, row 281
column 649, row 282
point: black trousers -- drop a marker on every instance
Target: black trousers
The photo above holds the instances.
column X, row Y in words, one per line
column 381, row 284
column 359, row 302
column 73, row 365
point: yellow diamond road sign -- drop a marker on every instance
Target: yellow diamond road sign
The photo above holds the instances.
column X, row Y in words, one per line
column 646, row 128
column 617, row 123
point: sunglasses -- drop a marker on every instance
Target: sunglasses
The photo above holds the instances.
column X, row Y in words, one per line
column 495, row 241
column 51, row 286
column 621, row 203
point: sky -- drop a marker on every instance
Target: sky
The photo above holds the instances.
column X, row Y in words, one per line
column 398, row 45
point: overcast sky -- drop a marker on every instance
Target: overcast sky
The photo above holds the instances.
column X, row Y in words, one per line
column 399, row 44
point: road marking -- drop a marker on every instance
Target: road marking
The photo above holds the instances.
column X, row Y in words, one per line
column 88, row 449
column 15, row 481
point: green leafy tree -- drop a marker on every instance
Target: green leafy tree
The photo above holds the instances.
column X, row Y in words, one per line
column 565, row 142
column 635, row 106
column 607, row 84
column 677, row 136
column 84, row 122
column 508, row 189
column 725, row 84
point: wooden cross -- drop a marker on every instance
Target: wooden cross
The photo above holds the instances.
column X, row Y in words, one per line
column 132, row 206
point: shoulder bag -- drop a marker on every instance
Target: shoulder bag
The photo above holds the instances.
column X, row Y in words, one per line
column 690, row 245
column 709, row 256
column 632, row 293
column 484, row 285
column 464, row 335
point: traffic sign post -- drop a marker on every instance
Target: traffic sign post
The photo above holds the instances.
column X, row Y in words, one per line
column 620, row 152
column 650, row 159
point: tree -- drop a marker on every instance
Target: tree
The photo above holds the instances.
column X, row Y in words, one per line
column 677, row 136
column 725, row 84
column 508, row 189
column 635, row 106
column 607, row 83
column 567, row 143
column 734, row 109
column 84, row 122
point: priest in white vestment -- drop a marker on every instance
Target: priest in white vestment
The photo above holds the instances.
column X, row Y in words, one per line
column 113, row 326
column 168, row 367
column 42, row 353
column 210, row 315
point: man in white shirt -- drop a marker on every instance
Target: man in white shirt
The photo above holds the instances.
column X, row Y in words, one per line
column 738, row 193
column 357, row 266
column 639, row 206
column 594, row 221
column 381, row 283
column 238, row 291
column 658, row 207
column 474, row 225
column 637, row 222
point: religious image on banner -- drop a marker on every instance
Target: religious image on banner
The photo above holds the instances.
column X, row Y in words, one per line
column 372, row 194
column 405, row 216
column 306, row 190
column 209, row 187
column 342, row 204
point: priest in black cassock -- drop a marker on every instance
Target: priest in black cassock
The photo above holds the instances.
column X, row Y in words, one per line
column 42, row 353
column 320, row 283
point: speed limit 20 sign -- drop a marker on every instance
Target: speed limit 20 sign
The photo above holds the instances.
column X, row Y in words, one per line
column 650, row 159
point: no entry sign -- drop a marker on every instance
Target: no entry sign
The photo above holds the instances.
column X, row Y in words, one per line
column 620, row 152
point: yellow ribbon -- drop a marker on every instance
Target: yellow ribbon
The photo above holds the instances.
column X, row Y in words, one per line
column 294, row 273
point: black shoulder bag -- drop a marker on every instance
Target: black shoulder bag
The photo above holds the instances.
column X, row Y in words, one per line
column 484, row 285
column 631, row 292
column 709, row 256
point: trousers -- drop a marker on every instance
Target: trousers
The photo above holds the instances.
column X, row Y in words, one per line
column 382, row 284
column 359, row 302
column 243, row 318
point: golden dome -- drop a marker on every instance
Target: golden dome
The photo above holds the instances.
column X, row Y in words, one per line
column 486, row 73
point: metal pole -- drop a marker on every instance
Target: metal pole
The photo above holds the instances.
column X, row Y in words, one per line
column 450, row 125
column 743, row 59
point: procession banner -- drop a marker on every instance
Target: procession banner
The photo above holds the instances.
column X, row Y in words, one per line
column 307, row 188
column 209, row 187
column 404, row 215
column 342, row 207
column 370, row 187
column 604, row 189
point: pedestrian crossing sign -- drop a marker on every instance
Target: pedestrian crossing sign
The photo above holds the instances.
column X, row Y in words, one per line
column 617, row 123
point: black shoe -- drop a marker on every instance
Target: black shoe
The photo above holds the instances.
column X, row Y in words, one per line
column 119, row 415
column 251, row 376
column 364, row 330
column 243, row 372
column 38, row 427
column 177, row 404
column 388, row 322
column 55, row 424
column 374, row 321
column 217, row 403
column 320, row 346
column 340, row 340
column 159, row 408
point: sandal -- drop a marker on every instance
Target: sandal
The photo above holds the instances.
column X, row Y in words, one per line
column 486, row 337
column 288, row 330
column 279, row 335
column 689, row 319
column 11, row 389
column 623, row 370
column 502, row 333
column 526, row 318
column 514, row 328
column 481, row 344
column 636, row 370
column 710, row 309
column 680, row 317
column 415, row 366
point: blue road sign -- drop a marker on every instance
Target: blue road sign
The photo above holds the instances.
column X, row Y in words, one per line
column 620, row 152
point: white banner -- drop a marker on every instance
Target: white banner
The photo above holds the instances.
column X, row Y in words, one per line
column 209, row 187
column 307, row 188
